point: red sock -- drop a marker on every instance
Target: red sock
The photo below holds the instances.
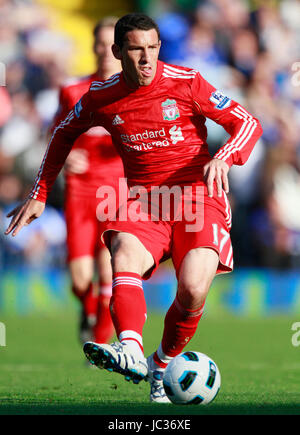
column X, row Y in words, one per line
column 180, row 327
column 88, row 299
column 128, row 307
column 104, row 328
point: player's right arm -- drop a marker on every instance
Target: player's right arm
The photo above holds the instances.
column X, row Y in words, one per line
column 78, row 120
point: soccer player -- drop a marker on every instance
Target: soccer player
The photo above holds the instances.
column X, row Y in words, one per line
column 93, row 162
column 156, row 115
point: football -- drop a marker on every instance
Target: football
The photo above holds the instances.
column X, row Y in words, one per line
column 192, row 378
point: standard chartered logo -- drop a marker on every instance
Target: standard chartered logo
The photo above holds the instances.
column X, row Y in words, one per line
column 140, row 141
column 2, row 334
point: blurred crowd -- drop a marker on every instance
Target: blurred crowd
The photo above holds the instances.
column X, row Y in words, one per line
column 34, row 59
column 247, row 49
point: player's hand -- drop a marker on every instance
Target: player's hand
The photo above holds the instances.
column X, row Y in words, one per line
column 77, row 161
column 24, row 214
column 216, row 171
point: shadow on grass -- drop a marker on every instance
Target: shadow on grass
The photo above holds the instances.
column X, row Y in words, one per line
column 119, row 409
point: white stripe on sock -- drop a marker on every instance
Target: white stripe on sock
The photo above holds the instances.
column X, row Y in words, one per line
column 131, row 334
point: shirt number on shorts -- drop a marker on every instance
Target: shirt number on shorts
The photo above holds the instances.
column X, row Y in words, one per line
column 219, row 241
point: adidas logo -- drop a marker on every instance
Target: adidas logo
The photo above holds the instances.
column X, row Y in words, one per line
column 117, row 120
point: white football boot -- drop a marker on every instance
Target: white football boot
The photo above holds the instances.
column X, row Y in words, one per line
column 155, row 379
column 117, row 358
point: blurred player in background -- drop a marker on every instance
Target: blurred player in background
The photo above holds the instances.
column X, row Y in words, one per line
column 93, row 162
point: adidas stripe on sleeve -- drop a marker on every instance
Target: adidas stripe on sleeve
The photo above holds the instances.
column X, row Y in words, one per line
column 244, row 129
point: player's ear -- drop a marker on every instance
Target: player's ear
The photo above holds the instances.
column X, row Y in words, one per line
column 116, row 51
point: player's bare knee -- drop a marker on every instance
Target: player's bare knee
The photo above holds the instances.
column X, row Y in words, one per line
column 192, row 294
column 81, row 275
column 81, row 279
column 80, row 282
column 196, row 273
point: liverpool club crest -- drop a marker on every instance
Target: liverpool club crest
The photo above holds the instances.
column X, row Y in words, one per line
column 170, row 110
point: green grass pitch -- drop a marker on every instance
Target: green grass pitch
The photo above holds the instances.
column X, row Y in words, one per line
column 43, row 370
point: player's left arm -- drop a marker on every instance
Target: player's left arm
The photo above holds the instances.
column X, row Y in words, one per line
column 243, row 128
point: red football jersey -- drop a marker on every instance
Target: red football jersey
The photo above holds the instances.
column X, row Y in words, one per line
column 104, row 163
column 159, row 130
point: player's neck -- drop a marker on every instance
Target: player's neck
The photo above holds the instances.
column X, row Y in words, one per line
column 131, row 83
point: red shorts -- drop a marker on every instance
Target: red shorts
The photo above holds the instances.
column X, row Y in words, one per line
column 83, row 227
column 175, row 237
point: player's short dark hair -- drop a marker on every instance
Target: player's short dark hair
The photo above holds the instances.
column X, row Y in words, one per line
column 134, row 21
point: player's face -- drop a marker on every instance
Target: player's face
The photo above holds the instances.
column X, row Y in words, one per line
column 106, row 61
column 139, row 57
